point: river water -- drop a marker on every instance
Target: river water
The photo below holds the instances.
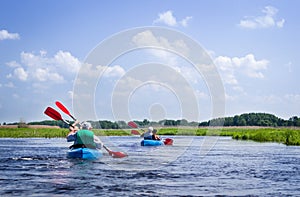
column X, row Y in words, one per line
column 39, row 167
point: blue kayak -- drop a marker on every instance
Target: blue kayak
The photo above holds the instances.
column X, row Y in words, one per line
column 151, row 143
column 84, row 153
column 167, row 141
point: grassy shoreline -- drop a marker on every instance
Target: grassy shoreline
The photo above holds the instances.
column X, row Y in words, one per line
column 288, row 136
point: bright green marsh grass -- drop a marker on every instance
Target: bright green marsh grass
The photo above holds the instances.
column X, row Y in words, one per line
column 52, row 132
column 288, row 136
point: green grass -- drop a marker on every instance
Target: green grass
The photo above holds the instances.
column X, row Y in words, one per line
column 51, row 132
column 32, row 132
column 111, row 132
column 286, row 136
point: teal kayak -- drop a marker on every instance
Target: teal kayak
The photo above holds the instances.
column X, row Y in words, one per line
column 85, row 153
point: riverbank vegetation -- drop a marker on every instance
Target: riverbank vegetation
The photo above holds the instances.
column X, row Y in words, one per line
column 247, row 119
column 52, row 132
column 288, row 136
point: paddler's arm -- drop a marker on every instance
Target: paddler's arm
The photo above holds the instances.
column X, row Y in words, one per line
column 72, row 134
column 143, row 134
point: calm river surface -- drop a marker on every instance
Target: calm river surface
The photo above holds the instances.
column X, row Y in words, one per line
column 39, row 167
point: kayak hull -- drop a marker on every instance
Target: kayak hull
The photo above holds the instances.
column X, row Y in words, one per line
column 151, row 143
column 167, row 141
column 84, row 153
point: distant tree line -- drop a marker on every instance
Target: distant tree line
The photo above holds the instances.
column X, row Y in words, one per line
column 253, row 119
column 247, row 119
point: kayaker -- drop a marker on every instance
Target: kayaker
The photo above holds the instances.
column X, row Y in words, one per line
column 154, row 135
column 148, row 134
column 83, row 138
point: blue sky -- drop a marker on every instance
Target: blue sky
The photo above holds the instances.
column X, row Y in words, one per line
column 254, row 45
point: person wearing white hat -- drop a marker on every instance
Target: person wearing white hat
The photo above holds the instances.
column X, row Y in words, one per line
column 148, row 134
column 83, row 138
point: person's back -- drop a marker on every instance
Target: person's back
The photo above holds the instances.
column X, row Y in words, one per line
column 86, row 138
column 148, row 134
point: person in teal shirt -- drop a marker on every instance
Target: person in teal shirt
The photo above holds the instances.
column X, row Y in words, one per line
column 83, row 137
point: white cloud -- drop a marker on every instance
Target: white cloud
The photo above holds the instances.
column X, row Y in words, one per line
column 90, row 72
column 169, row 19
column 147, row 38
column 66, row 61
column 111, row 71
column 184, row 22
column 252, row 66
column 166, row 18
column 248, row 66
column 21, row 74
column 5, row 35
column 280, row 23
column 265, row 21
column 41, row 68
column 44, row 74
column 13, row 64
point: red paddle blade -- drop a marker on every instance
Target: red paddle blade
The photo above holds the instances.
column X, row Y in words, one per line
column 132, row 124
column 135, row 132
column 168, row 141
column 62, row 107
column 53, row 113
column 117, row 154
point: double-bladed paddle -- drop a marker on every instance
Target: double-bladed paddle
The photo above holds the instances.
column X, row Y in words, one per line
column 110, row 152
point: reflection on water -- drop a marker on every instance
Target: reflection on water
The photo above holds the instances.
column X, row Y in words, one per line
column 234, row 168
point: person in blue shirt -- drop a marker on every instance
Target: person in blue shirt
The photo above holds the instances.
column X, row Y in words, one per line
column 150, row 134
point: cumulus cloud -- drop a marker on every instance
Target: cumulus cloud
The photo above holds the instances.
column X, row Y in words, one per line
column 41, row 68
column 21, row 74
column 264, row 21
column 184, row 22
column 5, row 35
column 111, row 71
column 169, row 19
column 147, row 38
column 67, row 61
column 247, row 66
